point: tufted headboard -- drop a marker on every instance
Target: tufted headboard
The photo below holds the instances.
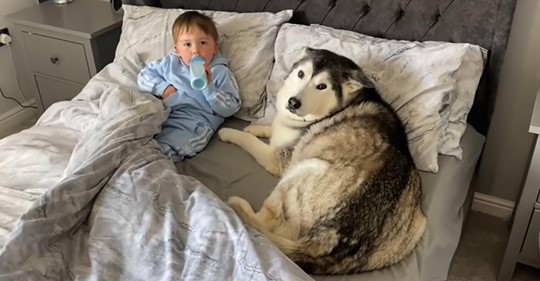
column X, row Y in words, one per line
column 482, row 22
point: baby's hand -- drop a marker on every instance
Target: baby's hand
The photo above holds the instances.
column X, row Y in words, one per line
column 168, row 92
column 208, row 73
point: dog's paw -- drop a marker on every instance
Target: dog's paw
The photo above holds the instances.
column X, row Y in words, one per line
column 239, row 205
column 235, row 200
column 227, row 134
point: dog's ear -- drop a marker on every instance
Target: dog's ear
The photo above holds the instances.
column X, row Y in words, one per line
column 357, row 81
column 351, row 86
column 301, row 57
column 308, row 50
column 312, row 53
column 361, row 77
column 306, row 53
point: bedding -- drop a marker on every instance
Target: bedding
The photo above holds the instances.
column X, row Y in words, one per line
column 117, row 209
column 98, row 176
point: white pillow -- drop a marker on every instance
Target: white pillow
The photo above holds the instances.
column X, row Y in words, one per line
column 246, row 39
column 431, row 85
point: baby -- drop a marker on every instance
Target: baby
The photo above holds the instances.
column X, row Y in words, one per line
column 195, row 114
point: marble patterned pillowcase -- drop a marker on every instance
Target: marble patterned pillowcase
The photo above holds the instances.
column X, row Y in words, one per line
column 246, row 39
column 431, row 85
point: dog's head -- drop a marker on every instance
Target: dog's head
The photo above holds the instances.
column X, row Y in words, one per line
column 320, row 84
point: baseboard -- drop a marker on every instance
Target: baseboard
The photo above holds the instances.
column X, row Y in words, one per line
column 15, row 117
column 492, row 205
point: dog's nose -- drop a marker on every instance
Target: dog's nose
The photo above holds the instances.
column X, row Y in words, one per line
column 294, row 103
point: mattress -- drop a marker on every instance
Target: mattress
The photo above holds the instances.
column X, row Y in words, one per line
column 227, row 171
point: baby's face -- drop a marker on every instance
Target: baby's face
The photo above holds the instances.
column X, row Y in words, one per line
column 195, row 42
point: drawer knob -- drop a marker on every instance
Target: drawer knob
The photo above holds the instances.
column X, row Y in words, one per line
column 54, row 60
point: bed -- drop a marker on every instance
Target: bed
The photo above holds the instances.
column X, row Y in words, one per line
column 86, row 194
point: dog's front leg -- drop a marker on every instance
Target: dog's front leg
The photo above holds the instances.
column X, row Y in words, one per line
column 262, row 131
column 261, row 151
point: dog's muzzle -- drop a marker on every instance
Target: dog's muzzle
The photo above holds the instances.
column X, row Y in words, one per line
column 293, row 104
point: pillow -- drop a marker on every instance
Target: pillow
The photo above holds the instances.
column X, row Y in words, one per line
column 246, row 39
column 431, row 85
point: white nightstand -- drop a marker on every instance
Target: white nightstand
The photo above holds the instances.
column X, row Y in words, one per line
column 523, row 243
column 58, row 48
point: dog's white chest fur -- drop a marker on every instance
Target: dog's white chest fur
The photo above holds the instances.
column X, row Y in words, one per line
column 282, row 134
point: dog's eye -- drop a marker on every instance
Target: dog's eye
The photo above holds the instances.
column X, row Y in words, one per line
column 300, row 74
column 321, row 87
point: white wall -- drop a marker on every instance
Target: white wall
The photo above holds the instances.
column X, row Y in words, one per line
column 507, row 151
column 8, row 81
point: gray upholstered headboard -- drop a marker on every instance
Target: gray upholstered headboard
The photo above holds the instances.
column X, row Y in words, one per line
column 482, row 22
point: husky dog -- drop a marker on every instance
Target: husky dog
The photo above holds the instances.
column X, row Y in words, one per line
column 349, row 198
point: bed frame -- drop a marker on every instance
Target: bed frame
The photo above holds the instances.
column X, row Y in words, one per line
column 482, row 22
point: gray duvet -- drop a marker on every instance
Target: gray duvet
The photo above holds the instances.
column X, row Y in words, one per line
column 122, row 212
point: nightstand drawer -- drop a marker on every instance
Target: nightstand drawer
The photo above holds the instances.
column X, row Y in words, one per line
column 63, row 59
column 52, row 90
column 530, row 251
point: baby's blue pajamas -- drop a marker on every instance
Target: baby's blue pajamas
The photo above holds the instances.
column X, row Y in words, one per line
column 195, row 115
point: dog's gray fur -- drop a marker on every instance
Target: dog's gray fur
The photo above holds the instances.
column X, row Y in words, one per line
column 349, row 199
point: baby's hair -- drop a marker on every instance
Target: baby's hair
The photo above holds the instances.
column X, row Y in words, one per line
column 185, row 21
